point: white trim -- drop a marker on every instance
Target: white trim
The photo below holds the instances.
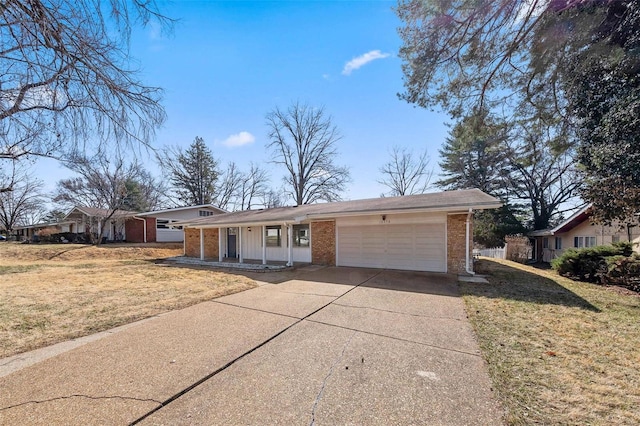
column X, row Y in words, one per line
column 290, row 247
column 239, row 243
column 264, row 244
column 446, row 245
column 467, row 266
column 220, row 248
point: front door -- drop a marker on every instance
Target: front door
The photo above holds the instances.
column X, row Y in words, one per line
column 231, row 242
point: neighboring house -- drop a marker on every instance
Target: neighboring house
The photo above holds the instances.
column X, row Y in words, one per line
column 27, row 232
column 123, row 225
column 577, row 232
column 83, row 222
column 162, row 221
column 89, row 220
column 428, row 232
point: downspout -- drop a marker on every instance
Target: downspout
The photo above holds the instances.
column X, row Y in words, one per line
column 468, row 267
column 144, row 227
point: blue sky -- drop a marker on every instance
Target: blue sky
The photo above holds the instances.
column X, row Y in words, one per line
column 227, row 64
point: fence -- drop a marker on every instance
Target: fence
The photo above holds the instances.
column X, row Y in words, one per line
column 495, row 253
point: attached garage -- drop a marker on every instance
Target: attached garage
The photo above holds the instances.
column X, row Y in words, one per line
column 425, row 232
column 406, row 246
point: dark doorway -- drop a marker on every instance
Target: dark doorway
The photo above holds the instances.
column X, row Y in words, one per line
column 231, row 242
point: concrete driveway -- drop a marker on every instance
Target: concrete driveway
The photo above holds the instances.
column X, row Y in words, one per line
column 321, row 346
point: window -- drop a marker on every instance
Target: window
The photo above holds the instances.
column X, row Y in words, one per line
column 580, row 242
column 545, row 242
column 301, row 235
column 274, row 236
column 558, row 243
column 203, row 213
column 166, row 224
column 615, row 238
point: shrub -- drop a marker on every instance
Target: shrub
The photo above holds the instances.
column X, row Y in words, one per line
column 589, row 264
column 624, row 271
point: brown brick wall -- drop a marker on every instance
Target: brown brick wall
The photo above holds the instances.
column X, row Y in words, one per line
column 151, row 229
column 134, row 230
column 456, row 233
column 192, row 243
column 211, row 243
column 323, row 243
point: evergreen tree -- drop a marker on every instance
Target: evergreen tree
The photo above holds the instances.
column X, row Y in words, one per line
column 193, row 173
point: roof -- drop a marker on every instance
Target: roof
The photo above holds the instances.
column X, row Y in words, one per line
column 43, row 225
column 459, row 201
column 574, row 220
column 95, row 212
column 177, row 209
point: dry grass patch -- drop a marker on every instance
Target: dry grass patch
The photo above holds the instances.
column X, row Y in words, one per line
column 559, row 351
column 54, row 293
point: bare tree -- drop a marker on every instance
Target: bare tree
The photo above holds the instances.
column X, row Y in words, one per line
column 303, row 139
column 101, row 183
column 272, row 198
column 226, row 193
column 406, row 173
column 253, row 185
column 24, row 198
column 64, row 76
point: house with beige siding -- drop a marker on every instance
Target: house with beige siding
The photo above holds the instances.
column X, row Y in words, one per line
column 427, row 232
column 578, row 231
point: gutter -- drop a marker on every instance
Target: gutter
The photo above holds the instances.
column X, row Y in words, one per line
column 467, row 266
column 144, row 227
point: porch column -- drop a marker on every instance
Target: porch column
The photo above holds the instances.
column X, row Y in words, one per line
column 201, row 243
column 264, row 245
column 241, row 258
column 220, row 244
column 290, row 245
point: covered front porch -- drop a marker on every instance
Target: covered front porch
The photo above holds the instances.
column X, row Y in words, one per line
column 262, row 244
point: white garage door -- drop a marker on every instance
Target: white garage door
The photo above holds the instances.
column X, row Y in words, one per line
column 414, row 247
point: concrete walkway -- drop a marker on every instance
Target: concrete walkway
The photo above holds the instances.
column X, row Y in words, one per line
column 322, row 347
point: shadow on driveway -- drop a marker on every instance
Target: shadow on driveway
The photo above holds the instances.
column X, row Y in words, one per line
column 507, row 282
column 404, row 281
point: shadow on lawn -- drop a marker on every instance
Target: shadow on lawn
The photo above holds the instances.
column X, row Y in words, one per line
column 507, row 282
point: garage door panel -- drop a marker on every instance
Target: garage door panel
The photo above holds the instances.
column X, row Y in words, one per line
column 411, row 247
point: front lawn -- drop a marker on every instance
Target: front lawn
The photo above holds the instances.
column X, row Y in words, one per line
column 558, row 351
column 52, row 293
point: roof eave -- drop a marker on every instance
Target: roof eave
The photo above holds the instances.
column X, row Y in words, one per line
column 298, row 219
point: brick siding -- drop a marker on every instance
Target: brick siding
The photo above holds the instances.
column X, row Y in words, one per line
column 323, row 243
column 192, row 243
column 211, row 243
column 456, row 233
column 134, row 230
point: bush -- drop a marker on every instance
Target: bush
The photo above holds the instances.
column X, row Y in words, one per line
column 624, row 271
column 589, row 264
column 615, row 264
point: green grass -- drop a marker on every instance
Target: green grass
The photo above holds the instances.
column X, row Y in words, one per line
column 558, row 351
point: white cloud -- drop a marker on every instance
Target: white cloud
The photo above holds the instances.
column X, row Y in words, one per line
column 362, row 60
column 239, row 139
